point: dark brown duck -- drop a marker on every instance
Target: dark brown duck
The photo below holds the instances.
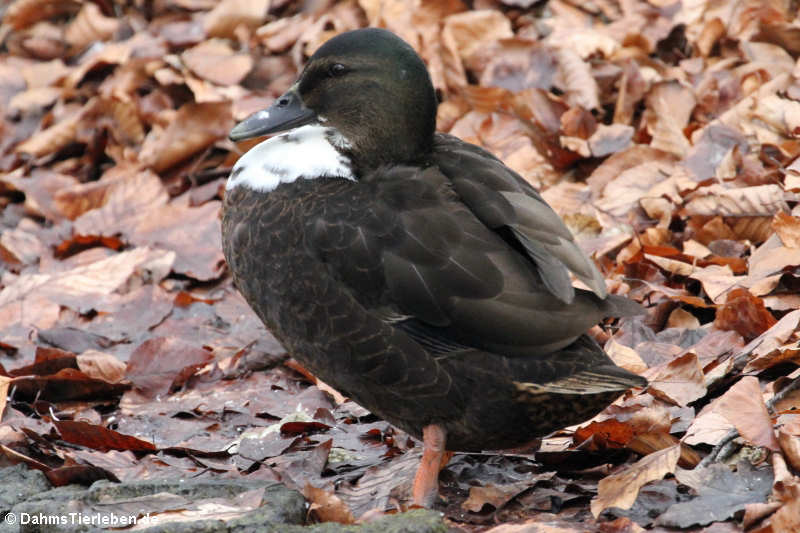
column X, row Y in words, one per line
column 414, row 272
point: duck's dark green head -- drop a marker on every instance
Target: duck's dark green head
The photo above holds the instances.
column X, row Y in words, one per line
column 368, row 84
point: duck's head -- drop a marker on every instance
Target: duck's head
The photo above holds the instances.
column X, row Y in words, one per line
column 371, row 87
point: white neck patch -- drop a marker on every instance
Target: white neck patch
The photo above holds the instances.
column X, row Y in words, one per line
column 304, row 152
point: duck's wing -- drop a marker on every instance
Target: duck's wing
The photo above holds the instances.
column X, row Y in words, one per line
column 416, row 255
column 506, row 203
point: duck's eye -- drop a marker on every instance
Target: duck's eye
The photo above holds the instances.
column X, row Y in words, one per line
column 336, row 70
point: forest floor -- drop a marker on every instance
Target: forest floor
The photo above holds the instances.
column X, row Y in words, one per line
column 666, row 133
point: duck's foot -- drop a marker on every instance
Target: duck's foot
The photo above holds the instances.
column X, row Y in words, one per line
column 434, row 457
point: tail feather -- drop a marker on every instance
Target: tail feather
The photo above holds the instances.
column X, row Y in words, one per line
column 607, row 378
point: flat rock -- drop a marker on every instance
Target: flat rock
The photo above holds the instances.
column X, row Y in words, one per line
column 176, row 506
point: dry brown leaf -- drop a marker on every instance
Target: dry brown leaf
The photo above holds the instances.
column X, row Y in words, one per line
column 516, row 64
column 57, row 136
column 325, row 506
column 770, row 346
column 214, row 60
column 790, row 444
column 761, row 200
column 695, row 249
column 495, row 495
column 712, row 32
column 681, row 318
column 90, row 26
column 129, row 195
column 34, row 100
column 193, row 233
column 223, row 20
column 708, row 427
column 472, row 30
column 586, row 42
column 579, row 85
column 610, row 139
column 772, row 258
column 632, row 87
column 99, row 365
column 280, row 34
column 623, row 161
column 625, row 357
column 194, row 128
column 537, row 526
column 4, row 383
column 20, row 247
column 44, row 73
column 121, row 119
column 113, row 53
column 672, row 266
column 623, row 192
column 160, row 363
column 680, row 382
column 23, row 13
column 82, row 287
column 788, row 229
column 122, row 190
column 711, row 145
column 669, row 107
column 745, row 314
column 717, row 281
column 34, row 311
column 743, row 406
column 620, row 490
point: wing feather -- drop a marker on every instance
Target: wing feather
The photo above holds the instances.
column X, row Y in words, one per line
column 501, row 198
column 436, row 263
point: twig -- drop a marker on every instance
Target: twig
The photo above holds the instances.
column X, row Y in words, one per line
column 726, row 447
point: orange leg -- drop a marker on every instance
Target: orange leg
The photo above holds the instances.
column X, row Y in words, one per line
column 434, row 457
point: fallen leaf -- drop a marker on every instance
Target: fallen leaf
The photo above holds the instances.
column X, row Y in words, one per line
column 5, row 381
column 680, row 318
column 67, row 384
column 194, row 128
column 99, row 437
column 90, row 26
column 579, row 84
column 215, row 61
column 680, row 381
column 610, row 139
column 78, row 474
column 742, row 405
column 788, row 229
column 720, row 494
column 745, row 314
column 790, row 445
column 620, row 490
column 160, row 363
column 228, row 14
column 99, row 365
column 497, row 496
column 325, row 506
column 24, row 13
column 762, row 200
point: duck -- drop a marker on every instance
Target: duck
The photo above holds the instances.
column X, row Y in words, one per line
column 412, row 271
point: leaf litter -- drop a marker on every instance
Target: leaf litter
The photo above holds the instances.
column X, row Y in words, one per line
column 666, row 134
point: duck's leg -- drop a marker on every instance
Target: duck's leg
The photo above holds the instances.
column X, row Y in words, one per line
column 434, row 457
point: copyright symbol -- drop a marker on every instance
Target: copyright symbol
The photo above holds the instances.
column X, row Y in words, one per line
column 11, row 518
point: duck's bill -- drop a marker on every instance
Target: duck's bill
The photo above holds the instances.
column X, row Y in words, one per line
column 286, row 113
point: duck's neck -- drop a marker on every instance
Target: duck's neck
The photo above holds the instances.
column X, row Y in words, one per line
column 309, row 152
